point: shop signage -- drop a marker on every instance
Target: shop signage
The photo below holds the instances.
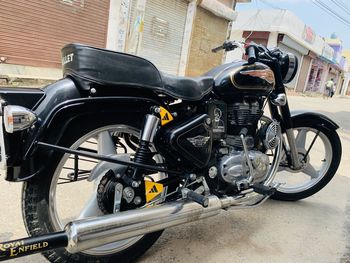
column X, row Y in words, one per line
column 309, row 35
column 160, row 27
column 327, row 52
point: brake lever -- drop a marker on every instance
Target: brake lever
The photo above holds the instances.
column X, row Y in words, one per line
column 214, row 50
column 228, row 46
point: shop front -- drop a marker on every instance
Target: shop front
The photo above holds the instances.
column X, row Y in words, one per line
column 210, row 29
column 33, row 32
column 156, row 31
column 318, row 71
column 177, row 36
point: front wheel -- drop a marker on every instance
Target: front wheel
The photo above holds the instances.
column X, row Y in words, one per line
column 320, row 150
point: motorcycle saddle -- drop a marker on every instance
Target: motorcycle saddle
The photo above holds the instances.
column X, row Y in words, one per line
column 90, row 66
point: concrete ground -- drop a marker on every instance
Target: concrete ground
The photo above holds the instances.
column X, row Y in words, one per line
column 316, row 229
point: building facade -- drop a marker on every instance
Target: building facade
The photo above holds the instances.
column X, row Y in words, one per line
column 337, row 68
column 33, row 32
column 209, row 30
column 283, row 29
column 176, row 35
column 345, row 90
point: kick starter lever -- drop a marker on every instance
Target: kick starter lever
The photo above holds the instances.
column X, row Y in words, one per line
column 246, row 154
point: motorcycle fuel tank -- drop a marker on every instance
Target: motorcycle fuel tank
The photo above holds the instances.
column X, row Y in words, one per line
column 240, row 78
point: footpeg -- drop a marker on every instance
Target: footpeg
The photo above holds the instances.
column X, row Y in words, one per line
column 263, row 189
column 195, row 197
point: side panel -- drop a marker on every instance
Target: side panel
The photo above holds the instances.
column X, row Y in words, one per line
column 189, row 141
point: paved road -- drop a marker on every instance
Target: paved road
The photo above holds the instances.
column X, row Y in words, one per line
column 313, row 230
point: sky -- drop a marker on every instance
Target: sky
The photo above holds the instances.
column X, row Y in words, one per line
column 319, row 20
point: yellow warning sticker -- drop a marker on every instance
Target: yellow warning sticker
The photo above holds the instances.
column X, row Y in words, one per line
column 165, row 116
column 152, row 190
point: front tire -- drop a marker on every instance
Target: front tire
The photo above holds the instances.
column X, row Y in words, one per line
column 315, row 175
column 40, row 210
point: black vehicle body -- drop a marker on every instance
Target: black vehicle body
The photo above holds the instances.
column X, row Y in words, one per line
column 206, row 139
column 100, row 83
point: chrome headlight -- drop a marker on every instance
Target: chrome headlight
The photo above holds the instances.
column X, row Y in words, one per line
column 289, row 67
column 17, row 118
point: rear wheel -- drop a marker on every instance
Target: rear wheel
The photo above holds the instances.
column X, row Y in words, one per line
column 70, row 189
column 319, row 149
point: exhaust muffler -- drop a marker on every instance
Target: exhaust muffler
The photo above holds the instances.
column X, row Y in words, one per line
column 89, row 233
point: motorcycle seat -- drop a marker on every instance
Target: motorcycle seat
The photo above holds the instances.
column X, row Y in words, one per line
column 187, row 88
column 101, row 68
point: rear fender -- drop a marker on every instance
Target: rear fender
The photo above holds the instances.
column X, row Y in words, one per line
column 42, row 102
column 90, row 109
column 25, row 97
column 70, row 115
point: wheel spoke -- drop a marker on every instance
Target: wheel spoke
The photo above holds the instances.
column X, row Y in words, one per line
column 91, row 208
column 311, row 171
column 101, row 168
column 300, row 140
column 312, row 144
column 105, row 143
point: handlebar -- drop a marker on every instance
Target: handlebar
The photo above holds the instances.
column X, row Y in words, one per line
column 227, row 46
column 214, row 50
column 250, row 52
column 253, row 51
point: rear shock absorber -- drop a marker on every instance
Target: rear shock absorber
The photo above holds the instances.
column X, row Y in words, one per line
column 143, row 153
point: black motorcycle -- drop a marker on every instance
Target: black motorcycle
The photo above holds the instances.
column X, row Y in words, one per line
column 117, row 151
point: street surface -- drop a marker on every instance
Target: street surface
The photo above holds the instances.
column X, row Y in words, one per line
column 316, row 229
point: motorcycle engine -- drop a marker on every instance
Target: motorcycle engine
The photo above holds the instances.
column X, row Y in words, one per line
column 233, row 166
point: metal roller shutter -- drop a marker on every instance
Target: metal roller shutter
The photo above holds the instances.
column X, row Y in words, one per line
column 32, row 32
column 164, row 25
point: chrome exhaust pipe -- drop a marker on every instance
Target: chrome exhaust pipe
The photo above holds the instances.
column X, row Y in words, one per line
column 90, row 233
column 94, row 232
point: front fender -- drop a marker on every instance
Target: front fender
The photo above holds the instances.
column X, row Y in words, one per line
column 303, row 117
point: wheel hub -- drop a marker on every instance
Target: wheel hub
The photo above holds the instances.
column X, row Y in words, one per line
column 301, row 155
column 131, row 197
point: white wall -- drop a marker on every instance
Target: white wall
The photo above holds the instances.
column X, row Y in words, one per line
column 117, row 24
column 346, row 84
column 279, row 21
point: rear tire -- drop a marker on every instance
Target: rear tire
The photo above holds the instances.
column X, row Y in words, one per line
column 36, row 206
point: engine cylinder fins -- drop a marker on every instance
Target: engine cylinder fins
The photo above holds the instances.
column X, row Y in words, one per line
column 235, row 141
column 242, row 115
column 272, row 135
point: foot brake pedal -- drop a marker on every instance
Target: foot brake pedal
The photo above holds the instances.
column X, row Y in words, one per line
column 263, row 189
